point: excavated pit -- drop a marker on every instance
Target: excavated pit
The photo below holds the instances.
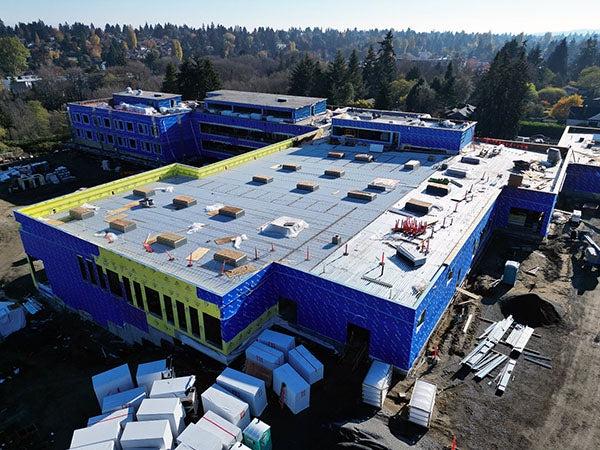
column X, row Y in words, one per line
column 531, row 310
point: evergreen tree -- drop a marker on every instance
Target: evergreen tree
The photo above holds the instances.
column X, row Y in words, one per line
column 384, row 98
column 115, row 54
column 501, row 93
column 588, row 56
column 535, row 62
column 421, row 98
column 386, row 59
column 302, row 78
column 448, row 92
column 196, row 77
column 337, row 74
column 413, row 74
column 369, row 72
column 558, row 60
column 355, row 75
column 170, row 81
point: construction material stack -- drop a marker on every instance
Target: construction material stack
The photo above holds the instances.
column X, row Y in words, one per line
column 303, row 362
column 149, row 372
column 151, row 434
column 376, row 384
column 226, row 405
column 247, row 388
column 422, row 400
column 292, row 389
column 257, row 435
column 163, row 409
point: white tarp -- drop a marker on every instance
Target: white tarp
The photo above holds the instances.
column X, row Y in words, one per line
column 265, row 356
column 149, row 372
column 131, row 398
column 12, row 318
column 218, row 400
column 163, row 409
column 112, row 381
column 296, row 394
column 306, row 364
column 282, row 342
column 248, row 388
column 148, row 434
column 284, row 226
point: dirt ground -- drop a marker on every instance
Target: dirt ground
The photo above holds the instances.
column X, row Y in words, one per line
column 45, row 369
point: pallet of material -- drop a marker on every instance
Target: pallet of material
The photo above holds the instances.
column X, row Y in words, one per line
column 144, row 192
column 336, row 155
column 250, row 389
column 307, row 186
column 230, row 257
column 383, row 184
column 456, row 172
column 81, row 213
column 224, row 240
column 412, row 164
column 218, row 400
column 334, row 173
column 262, row 179
column 241, row 270
column 362, row 195
column 184, row 201
column 171, row 239
column 418, row 206
column 365, row 157
column 231, row 211
column 515, row 180
column 438, row 188
column 470, row 160
column 291, row 167
column 122, row 225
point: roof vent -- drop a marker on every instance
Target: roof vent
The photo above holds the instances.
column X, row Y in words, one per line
column 171, row 239
column 262, row 179
column 362, row 195
column 281, row 100
column 231, row 211
column 122, row 225
column 230, row 257
column 81, row 213
column 334, row 173
column 144, row 192
column 184, row 201
column 418, row 206
column 307, row 186
column 291, row 167
column 363, row 157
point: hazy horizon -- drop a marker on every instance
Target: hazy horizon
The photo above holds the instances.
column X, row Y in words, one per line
column 510, row 16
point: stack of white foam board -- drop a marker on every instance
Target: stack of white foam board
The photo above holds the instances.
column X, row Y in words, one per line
column 121, row 416
column 421, row 403
column 154, row 434
column 195, row 438
column 377, row 384
column 226, row 405
column 112, row 381
column 246, row 387
column 227, row 432
column 131, row 398
column 257, row 435
column 96, row 434
column 180, row 387
column 306, row 364
column 99, row 446
column 163, row 409
column 296, row 394
column 265, row 356
column 280, row 341
column 149, row 372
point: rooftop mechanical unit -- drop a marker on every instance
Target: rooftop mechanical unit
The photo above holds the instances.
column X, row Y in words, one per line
column 434, row 188
column 81, row 213
column 171, row 239
column 418, row 206
column 230, row 257
column 456, row 172
column 362, row 195
column 412, row 164
column 470, row 160
column 122, row 225
column 184, row 201
column 144, row 192
column 262, row 179
column 307, row 186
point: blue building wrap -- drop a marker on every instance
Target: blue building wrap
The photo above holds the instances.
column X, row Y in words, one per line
column 511, row 197
column 582, row 179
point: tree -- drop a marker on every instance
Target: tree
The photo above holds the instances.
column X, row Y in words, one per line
column 448, row 91
column 369, row 72
column 560, row 110
column 13, row 56
column 337, row 74
column 115, row 54
column 355, row 75
column 170, row 81
column 413, row 74
column 399, row 89
column 386, row 59
column 384, row 99
column 589, row 81
column 196, row 77
column 551, row 95
column 588, row 55
column 131, row 37
column 177, row 50
column 421, row 98
column 501, row 93
column 302, row 78
column 558, row 60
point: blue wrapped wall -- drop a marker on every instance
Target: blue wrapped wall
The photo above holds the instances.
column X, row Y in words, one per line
column 582, row 179
column 538, row 201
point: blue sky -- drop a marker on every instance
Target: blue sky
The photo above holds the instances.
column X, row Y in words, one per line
column 530, row 16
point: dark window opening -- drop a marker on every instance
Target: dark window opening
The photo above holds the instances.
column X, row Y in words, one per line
column 88, row 134
column 128, row 293
column 212, row 330
column 181, row 319
column 91, row 271
column 169, row 309
column 153, row 301
column 101, row 278
column 38, row 270
column 288, row 310
column 86, row 118
column 137, row 288
column 110, row 138
column 369, row 135
column 82, row 268
column 129, row 126
column 357, row 337
column 195, row 321
column 525, row 218
column 113, row 283
column 106, row 122
column 421, row 319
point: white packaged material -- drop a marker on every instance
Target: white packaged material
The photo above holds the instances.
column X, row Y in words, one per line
column 268, row 357
column 246, row 387
column 163, row 409
column 112, row 381
column 109, row 445
column 377, row 384
column 306, row 364
column 282, row 342
column 148, row 372
column 122, row 416
column 239, row 446
column 101, row 432
column 180, row 387
column 257, row 435
column 227, row 432
column 196, row 438
column 296, row 394
column 148, row 434
column 421, row 403
column 218, row 400
column 131, row 398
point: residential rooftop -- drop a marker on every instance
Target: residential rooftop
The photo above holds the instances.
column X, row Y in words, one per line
column 261, row 99
column 403, row 118
column 584, row 143
column 366, row 226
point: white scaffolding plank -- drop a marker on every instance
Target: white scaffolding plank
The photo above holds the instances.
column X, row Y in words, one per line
column 485, row 371
column 506, row 374
column 523, row 339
